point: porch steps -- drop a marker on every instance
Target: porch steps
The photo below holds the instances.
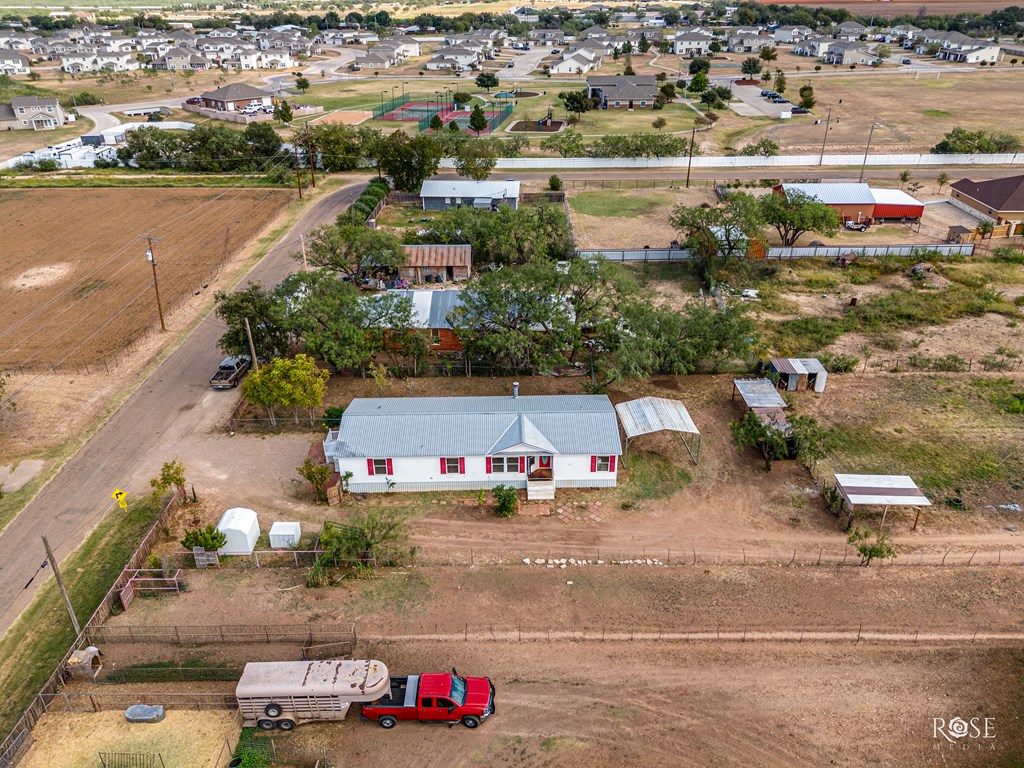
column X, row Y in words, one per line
column 540, row 489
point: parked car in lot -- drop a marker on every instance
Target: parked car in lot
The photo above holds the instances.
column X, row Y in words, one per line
column 510, row 64
column 906, row 61
column 859, row 226
column 194, row 100
column 801, row 111
column 780, row 100
column 770, row 94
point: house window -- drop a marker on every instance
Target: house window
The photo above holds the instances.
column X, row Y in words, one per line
column 453, row 466
column 618, row 104
column 435, row 336
column 379, row 467
column 506, row 464
column 602, row 463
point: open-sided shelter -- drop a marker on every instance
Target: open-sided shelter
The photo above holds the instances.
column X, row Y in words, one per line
column 880, row 491
column 647, row 415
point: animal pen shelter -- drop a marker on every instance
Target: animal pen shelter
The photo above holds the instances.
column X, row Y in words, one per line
column 762, row 399
column 799, row 373
column 858, row 491
column 648, row 415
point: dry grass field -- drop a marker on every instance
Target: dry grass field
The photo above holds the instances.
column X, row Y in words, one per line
column 80, row 289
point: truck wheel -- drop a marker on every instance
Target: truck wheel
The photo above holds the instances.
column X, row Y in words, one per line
column 471, row 722
column 286, row 725
column 387, row 722
column 273, row 710
column 266, row 725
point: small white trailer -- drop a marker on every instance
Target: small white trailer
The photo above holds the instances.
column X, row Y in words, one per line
column 283, row 694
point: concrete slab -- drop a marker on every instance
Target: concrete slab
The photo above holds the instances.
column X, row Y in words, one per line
column 13, row 477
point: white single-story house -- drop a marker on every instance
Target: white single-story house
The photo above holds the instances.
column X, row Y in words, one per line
column 441, row 194
column 539, row 443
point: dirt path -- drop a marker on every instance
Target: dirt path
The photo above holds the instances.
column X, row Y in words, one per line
column 166, row 407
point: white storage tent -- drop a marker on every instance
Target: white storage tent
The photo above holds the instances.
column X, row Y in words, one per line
column 285, row 535
column 242, row 530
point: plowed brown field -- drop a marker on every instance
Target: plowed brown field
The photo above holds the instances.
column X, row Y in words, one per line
column 75, row 286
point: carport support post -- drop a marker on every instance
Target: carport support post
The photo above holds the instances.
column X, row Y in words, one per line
column 917, row 516
column 60, row 586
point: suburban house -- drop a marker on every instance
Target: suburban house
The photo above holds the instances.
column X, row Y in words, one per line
column 430, row 310
column 441, row 194
column 235, row 97
column 857, row 202
column 1001, row 200
column 31, row 113
column 623, row 91
column 548, row 37
column 374, row 59
column 850, row 31
column 436, row 263
column 845, row 53
column 792, row 34
column 583, row 60
column 13, row 62
column 594, row 32
column 692, row 44
column 539, row 443
column 814, row 46
column 748, row 42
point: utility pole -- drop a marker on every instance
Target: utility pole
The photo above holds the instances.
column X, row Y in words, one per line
column 312, row 158
column 866, row 150
column 60, row 586
column 305, row 264
column 252, row 347
column 298, row 170
column 828, row 121
column 689, row 160
column 156, row 285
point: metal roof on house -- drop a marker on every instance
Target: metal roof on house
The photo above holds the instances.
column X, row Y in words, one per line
column 834, row 194
column 759, row 393
column 430, row 309
column 881, row 490
column 654, row 414
column 438, row 255
column 474, row 189
column 476, row 426
column 798, row 365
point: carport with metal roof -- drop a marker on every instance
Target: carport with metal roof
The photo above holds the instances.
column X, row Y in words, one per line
column 881, row 491
column 648, row 415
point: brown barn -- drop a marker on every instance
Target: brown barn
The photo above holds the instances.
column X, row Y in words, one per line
column 437, row 263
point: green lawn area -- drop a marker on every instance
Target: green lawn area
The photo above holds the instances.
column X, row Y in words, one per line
column 614, row 203
column 14, row 143
column 605, row 121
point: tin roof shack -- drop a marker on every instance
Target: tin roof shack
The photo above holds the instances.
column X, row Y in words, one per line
column 799, row 373
column 858, row 491
column 470, row 443
column 283, row 694
column 436, row 263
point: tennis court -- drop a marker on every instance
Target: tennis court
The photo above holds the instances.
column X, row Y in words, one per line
column 417, row 110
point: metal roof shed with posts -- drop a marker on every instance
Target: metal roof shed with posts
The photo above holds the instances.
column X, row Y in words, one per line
column 799, row 373
column 881, row 491
column 761, row 398
column 647, row 415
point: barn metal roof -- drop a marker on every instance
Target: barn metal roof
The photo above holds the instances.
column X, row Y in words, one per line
column 759, row 393
column 798, row 365
column 654, row 414
column 834, row 194
column 881, row 490
column 894, row 197
column 438, row 255
column 476, row 426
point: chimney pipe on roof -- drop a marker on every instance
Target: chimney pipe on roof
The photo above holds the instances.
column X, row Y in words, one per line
column 515, row 389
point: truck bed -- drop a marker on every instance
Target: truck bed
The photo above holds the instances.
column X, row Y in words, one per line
column 402, row 694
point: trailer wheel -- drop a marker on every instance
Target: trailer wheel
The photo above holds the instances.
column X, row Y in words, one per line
column 286, row 725
column 387, row 722
column 273, row 710
column 471, row 722
column 266, row 725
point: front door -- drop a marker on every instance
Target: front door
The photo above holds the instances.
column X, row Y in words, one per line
column 540, row 468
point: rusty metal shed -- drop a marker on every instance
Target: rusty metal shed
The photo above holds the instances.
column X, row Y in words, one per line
column 647, row 415
column 799, row 373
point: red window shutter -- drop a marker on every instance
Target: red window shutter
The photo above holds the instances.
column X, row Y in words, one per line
column 444, row 467
column 462, row 466
column 522, row 463
column 391, row 469
column 488, row 460
column 593, row 463
column 611, row 464
column 369, row 467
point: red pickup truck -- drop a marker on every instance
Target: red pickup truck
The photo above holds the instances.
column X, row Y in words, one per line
column 434, row 698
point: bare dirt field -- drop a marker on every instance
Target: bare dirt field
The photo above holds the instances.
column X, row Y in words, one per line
column 183, row 739
column 81, row 290
column 614, row 218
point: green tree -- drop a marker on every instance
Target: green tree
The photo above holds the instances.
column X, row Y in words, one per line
column 565, row 144
column 475, row 160
column 795, row 213
column 807, row 100
column 768, row 53
column 337, row 147
column 263, row 140
column 172, row 475
column 436, row 124
column 780, row 82
column 302, row 84
column 408, row 161
column 717, row 234
column 316, row 475
column 283, row 112
column 353, row 250
column 751, row 66
column 812, row 442
column 698, row 83
column 699, row 65
column 879, row 549
column 882, row 52
column 486, row 80
column 904, row 177
column 628, row 68
column 262, row 307
column 576, row 102
column 961, row 141
column 644, row 44
column 507, row 499
column 942, row 180
column 658, row 123
column 715, row 47
column 763, row 148
column 769, row 439
column 477, row 119
column 370, row 537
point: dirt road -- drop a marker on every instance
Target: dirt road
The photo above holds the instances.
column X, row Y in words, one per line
column 172, row 402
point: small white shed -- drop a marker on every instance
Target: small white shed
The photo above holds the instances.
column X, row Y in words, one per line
column 285, row 535
column 242, row 529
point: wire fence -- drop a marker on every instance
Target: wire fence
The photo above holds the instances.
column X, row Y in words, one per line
column 193, row 634
column 164, row 674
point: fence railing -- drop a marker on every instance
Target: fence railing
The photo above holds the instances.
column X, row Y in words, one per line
column 136, row 675
column 637, row 254
column 177, row 634
column 807, row 252
column 131, row 760
column 104, row 701
column 390, row 105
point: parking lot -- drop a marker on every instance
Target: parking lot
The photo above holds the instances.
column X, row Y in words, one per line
column 756, row 105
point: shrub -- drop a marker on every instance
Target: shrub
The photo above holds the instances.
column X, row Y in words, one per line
column 508, row 500
column 835, row 363
column 209, row 538
column 1007, row 255
column 332, row 416
column 949, row 364
column 555, row 183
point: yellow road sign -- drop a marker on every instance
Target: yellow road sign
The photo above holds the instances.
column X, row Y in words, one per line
column 123, row 504
column 118, row 494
